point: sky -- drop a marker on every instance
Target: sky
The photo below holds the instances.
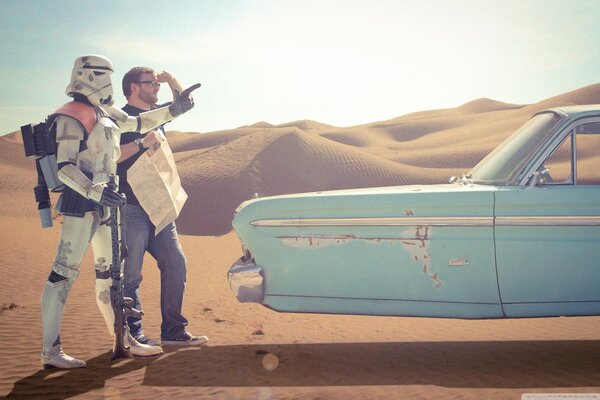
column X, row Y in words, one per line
column 342, row 63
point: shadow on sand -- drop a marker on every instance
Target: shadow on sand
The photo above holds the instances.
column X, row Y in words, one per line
column 63, row 384
column 481, row 364
column 486, row 364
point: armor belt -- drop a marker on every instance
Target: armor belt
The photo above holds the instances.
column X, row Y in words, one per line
column 74, row 204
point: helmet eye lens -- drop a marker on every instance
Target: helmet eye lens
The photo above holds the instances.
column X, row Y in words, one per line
column 99, row 73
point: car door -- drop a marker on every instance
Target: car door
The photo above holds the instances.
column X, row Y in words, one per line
column 548, row 235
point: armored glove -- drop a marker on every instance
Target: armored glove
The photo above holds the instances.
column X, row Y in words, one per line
column 111, row 198
column 183, row 101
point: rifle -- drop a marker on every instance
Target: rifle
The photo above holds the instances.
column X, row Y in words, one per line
column 122, row 306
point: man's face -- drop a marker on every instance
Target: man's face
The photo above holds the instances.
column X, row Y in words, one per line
column 148, row 88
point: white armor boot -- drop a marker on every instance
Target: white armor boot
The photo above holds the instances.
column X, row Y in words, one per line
column 56, row 358
column 141, row 350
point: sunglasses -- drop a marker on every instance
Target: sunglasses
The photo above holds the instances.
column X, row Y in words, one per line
column 151, row 83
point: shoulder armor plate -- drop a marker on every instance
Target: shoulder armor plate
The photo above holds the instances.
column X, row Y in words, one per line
column 84, row 113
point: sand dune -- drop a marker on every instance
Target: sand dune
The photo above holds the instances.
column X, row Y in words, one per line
column 345, row 357
column 587, row 95
column 277, row 161
column 305, row 125
column 424, row 147
column 11, row 154
column 484, row 105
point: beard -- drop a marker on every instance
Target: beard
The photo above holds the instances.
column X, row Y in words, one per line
column 149, row 98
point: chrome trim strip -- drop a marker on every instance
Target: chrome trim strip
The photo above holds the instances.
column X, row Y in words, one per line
column 384, row 221
column 433, row 221
column 384, row 299
column 584, row 220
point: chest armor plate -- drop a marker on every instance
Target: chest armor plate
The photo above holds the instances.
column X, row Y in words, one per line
column 103, row 150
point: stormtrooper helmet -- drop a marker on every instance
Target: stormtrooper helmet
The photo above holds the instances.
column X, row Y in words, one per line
column 91, row 78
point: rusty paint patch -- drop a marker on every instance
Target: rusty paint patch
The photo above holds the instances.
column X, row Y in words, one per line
column 303, row 242
column 416, row 246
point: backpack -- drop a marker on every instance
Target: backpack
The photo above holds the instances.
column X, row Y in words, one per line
column 40, row 141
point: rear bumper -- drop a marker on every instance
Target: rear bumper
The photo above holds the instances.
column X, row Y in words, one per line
column 247, row 281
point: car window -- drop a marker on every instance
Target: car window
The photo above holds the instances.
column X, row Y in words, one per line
column 557, row 169
column 588, row 153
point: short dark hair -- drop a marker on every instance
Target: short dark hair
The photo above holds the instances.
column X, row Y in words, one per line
column 132, row 76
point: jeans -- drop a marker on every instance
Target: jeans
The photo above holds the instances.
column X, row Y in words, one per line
column 167, row 251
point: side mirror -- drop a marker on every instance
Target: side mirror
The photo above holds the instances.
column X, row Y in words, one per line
column 539, row 178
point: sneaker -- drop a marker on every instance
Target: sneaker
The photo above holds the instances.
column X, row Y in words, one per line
column 185, row 339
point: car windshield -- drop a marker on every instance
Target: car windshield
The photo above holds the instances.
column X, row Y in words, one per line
column 502, row 165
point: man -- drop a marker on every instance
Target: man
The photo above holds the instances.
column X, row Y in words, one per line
column 140, row 87
column 87, row 138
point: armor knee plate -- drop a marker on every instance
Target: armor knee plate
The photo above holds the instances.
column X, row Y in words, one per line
column 68, row 272
column 102, row 268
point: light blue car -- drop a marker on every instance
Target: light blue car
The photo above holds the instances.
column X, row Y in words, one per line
column 518, row 236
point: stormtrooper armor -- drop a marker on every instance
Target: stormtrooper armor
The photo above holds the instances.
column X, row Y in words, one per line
column 87, row 154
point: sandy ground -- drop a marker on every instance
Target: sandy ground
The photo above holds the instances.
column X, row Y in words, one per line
column 320, row 356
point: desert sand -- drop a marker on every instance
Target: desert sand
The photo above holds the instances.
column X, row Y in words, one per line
column 320, row 356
